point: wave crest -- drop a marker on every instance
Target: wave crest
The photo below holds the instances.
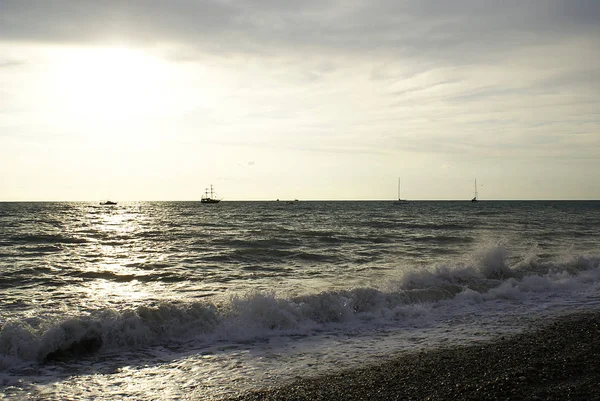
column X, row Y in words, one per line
column 255, row 315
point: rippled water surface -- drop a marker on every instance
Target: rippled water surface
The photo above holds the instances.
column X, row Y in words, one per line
column 221, row 298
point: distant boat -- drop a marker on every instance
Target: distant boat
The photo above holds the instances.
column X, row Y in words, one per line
column 400, row 200
column 108, row 203
column 209, row 196
column 288, row 202
column 475, row 194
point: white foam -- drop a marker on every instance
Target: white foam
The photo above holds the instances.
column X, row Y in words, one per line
column 257, row 315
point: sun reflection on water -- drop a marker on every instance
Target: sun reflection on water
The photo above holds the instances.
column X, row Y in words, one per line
column 114, row 257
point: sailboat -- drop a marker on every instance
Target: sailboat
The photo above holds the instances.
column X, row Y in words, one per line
column 400, row 200
column 475, row 197
column 209, row 197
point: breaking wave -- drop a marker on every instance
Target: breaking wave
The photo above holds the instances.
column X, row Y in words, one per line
column 257, row 315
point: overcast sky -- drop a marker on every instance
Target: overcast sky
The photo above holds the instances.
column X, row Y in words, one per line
column 156, row 100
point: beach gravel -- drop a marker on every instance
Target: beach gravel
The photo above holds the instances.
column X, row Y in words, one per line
column 558, row 361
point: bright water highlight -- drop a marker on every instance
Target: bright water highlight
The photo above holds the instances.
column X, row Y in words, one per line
column 180, row 299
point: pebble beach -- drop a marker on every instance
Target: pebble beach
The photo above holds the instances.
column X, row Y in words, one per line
column 557, row 361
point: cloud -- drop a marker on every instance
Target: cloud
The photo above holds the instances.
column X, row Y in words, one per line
column 454, row 81
column 460, row 30
column 10, row 63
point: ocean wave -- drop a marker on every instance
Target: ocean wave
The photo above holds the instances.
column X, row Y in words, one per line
column 433, row 226
column 257, row 315
column 30, row 277
column 125, row 278
column 46, row 239
column 259, row 255
column 443, row 239
column 270, row 243
column 102, row 274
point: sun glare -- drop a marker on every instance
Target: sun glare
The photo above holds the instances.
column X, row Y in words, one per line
column 109, row 83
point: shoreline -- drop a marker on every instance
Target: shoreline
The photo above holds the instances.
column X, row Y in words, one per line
column 559, row 360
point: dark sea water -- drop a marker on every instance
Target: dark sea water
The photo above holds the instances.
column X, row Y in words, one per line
column 177, row 300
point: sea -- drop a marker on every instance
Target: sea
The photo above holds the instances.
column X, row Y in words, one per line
column 191, row 301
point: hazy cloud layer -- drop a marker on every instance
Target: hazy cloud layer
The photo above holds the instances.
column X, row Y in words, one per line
column 503, row 88
column 456, row 30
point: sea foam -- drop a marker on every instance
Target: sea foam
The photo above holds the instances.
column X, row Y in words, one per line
column 257, row 315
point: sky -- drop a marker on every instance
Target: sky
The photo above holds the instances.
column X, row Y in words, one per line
column 314, row 100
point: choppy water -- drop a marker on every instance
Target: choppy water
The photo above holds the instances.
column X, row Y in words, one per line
column 176, row 300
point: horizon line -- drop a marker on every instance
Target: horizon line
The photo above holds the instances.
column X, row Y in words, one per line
column 309, row 200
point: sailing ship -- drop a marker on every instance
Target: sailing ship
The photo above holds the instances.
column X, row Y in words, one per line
column 400, row 200
column 209, row 196
column 475, row 194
